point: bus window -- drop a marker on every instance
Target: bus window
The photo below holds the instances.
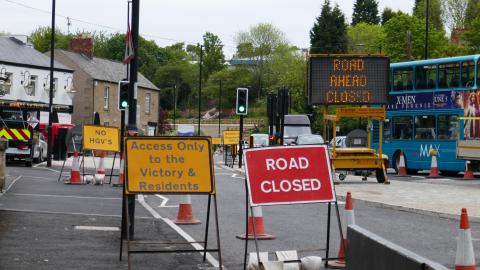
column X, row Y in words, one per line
column 425, row 127
column 402, row 127
column 448, row 75
column 468, row 74
column 403, row 79
column 447, row 127
column 425, row 77
column 386, row 130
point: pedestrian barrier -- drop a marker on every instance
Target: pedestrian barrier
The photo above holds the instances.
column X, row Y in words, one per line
column 402, row 170
column 185, row 212
column 468, row 175
column 255, row 220
column 367, row 250
column 434, row 173
column 349, row 219
column 100, row 174
column 465, row 257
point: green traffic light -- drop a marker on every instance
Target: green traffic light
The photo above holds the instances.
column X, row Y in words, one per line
column 124, row 104
column 241, row 108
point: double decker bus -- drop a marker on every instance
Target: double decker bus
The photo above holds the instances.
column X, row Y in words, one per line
column 426, row 99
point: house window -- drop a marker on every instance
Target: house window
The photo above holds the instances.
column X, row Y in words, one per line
column 147, row 103
column 30, row 88
column 106, row 94
column 106, row 124
column 6, row 84
column 55, row 86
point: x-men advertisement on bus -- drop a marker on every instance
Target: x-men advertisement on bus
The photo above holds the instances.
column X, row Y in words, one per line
column 469, row 101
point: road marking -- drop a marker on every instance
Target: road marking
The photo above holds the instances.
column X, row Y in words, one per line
column 13, row 183
column 97, row 228
column 64, row 213
column 64, row 196
column 179, row 230
column 239, row 177
column 164, row 201
column 41, row 163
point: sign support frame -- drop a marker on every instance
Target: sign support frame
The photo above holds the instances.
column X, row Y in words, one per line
column 128, row 219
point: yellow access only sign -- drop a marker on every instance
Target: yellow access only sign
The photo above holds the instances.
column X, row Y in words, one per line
column 231, row 136
column 169, row 165
column 101, row 138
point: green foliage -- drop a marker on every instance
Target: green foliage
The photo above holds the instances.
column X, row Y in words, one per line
column 365, row 11
column 454, row 12
column 365, row 38
column 405, row 39
column 260, row 41
column 434, row 12
column 388, row 13
column 214, row 59
column 472, row 12
column 472, row 36
column 40, row 39
column 329, row 34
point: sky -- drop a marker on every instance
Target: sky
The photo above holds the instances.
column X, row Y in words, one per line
column 171, row 21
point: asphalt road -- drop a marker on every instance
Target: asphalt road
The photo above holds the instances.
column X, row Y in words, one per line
column 38, row 215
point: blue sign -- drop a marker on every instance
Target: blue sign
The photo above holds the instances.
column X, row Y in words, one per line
column 426, row 100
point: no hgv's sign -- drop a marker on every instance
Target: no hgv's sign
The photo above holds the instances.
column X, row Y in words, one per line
column 289, row 175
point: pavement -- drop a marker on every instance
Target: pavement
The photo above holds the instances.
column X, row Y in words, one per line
column 443, row 197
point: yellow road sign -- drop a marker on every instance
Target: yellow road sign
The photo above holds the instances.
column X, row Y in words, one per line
column 361, row 112
column 216, row 140
column 169, row 165
column 101, row 138
column 231, row 136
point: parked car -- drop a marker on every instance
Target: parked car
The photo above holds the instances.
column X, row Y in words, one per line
column 309, row 139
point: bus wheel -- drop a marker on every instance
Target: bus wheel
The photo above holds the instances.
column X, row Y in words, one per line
column 381, row 175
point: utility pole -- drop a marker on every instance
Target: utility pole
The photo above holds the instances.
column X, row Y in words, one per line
column 200, row 90
column 426, row 29
column 50, row 94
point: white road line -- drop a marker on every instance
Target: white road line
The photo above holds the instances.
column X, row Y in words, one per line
column 64, row 196
column 97, row 228
column 164, row 201
column 64, row 213
column 42, row 163
column 179, row 230
column 13, row 183
column 238, row 177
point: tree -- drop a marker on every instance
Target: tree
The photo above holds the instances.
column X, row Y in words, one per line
column 365, row 11
column 40, row 39
column 472, row 36
column 329, row 34
column 365, row 38
column 388, row 13
column 214, row 59
column 405, row 39
column 434, row 12
column 472, row 11
column 454, row 13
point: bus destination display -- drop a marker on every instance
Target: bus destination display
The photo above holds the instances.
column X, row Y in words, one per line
column 345, row 80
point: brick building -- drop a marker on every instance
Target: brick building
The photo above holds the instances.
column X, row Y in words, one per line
column 96, row 82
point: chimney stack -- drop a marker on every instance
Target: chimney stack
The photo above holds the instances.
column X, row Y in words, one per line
column 82, row 45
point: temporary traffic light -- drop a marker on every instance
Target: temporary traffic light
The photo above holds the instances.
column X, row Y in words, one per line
column 242, row 101
column 123, row 94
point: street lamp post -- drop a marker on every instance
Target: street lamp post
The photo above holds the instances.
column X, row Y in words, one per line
column 174, row 104
column 200, row 89
column 219, row 107
column 426, row 29
column 50, row 94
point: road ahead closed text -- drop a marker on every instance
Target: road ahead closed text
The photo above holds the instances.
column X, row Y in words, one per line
column 289, row 175
column 166, row 165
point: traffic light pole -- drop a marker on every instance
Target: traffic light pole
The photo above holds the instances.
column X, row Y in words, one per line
column 240, row 143
column 132, row 102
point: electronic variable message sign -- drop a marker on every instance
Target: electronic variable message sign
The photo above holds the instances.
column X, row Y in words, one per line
column 348, row 79
column 169, row 165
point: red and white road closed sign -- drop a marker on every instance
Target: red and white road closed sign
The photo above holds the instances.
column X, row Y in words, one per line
column 289, row 175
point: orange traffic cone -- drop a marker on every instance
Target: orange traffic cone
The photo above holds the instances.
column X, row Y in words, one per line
column 465, row 258
column 256, row 218
column 402, row 170
column 468, row 175
column 349, row 219
column 434, row 173
column 121, row 177
column 100, row 174
column 75, row 170
column 185, row 214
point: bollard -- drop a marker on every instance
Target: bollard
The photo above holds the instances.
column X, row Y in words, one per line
column 3, row 148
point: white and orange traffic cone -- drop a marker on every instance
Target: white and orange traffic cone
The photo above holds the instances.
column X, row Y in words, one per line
column 402, row 169
column 468, row 175
column 100, row 174
column 349, row 219
column 185, row 213
column 465, row 258
column 256, row 218
column 75, row 170
column 121, row 177
column 434, row 173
